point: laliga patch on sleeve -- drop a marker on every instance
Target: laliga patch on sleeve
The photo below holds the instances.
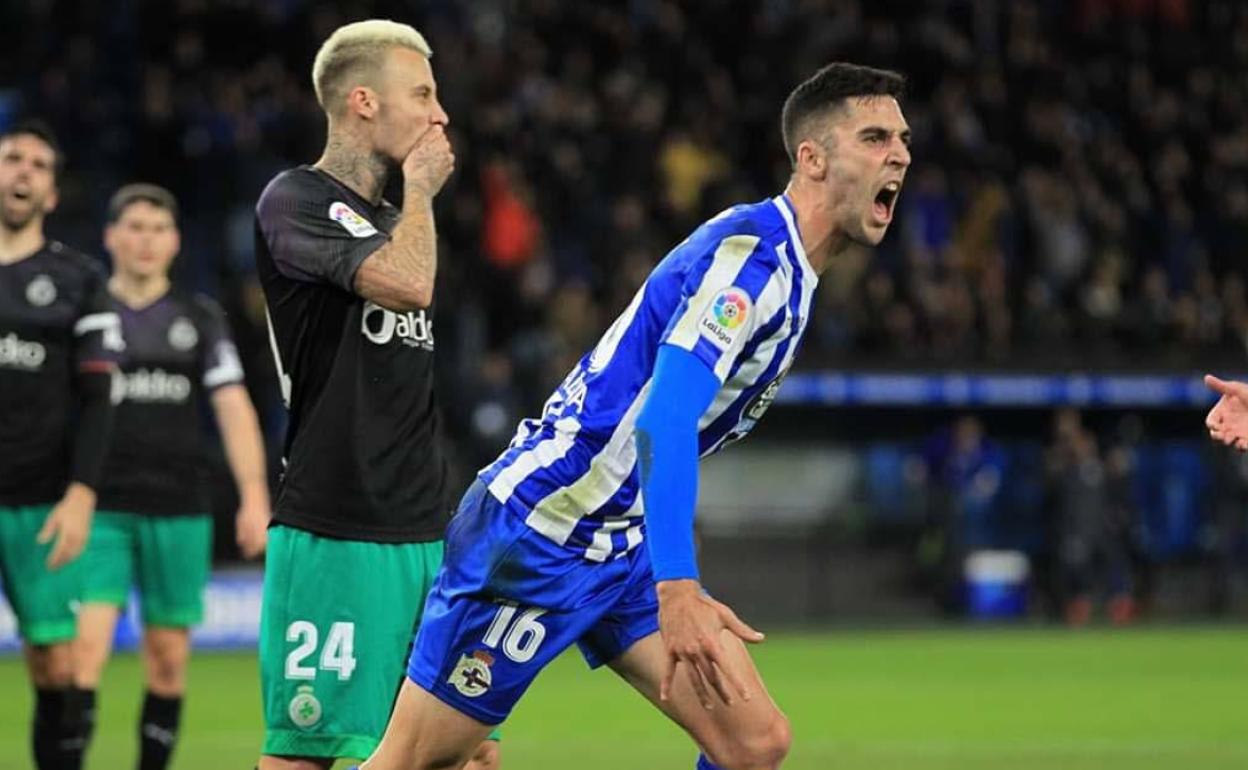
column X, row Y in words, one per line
column 724, row 318
column 352, row 222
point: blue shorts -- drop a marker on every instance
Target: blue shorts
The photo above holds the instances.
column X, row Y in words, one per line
column 508, row 600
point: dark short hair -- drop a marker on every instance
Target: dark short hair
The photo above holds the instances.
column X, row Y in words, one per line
column 43, row 132
column 141, row 192
column 827, row 90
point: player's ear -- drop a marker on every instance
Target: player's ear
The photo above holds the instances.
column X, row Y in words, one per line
column 362, row 101
column 812, row 160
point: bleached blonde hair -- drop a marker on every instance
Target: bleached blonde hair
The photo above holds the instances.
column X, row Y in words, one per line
column 354, row 53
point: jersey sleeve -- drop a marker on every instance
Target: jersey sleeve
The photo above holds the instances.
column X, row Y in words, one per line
column 720, row 307
column 219, row 361
column 97, row 340
column 314, row 238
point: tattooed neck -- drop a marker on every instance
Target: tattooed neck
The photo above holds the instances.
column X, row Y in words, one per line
column 364, row 171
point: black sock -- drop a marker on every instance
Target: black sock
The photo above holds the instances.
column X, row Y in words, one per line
column 46, row 728
column 79, row 723
column 63, row 722
column 158, row 731
column 78, row 728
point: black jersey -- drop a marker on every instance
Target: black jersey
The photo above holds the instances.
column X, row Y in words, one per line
column 55, row 321
column 362, row 452
column 177, row 349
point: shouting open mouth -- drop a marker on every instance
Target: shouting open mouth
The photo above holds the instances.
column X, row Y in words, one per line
column 885, row 200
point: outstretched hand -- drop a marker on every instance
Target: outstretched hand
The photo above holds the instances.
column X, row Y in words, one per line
column 1227, row 421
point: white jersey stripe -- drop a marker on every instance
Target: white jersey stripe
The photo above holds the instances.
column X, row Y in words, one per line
column 601, row 546
column 633, row 536
column 556, row 515
column 808, row 293
column 600, row 549
column 773, row 300
column 543, row 455
column 604, row 351
column 729, row 258
column 795, row 238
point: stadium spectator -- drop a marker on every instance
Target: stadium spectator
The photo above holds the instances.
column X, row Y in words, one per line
column 1065, row 144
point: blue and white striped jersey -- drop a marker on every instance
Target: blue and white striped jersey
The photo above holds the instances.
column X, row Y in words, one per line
column 737, row 294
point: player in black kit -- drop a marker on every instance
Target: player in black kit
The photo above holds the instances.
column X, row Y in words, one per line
column 59, row 340
column 358, row 519
column 153, row 528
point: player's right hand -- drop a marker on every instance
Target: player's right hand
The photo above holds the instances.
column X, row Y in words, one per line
column 251, row 527
column 1227, row 421
column 691, row 622
column 429, row 162
column 69, row 522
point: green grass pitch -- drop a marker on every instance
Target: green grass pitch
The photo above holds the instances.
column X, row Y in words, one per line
column 914, row 700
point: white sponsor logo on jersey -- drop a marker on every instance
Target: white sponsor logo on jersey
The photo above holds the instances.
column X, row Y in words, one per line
column 182, row 334
column 381, row 326
column 41, row 292
column 157, row 385
column 352, row 222
column 17, row 353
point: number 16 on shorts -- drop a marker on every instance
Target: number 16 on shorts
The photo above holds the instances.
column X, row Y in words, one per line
column 520, row 638
column 337, row 654
column 519, row 634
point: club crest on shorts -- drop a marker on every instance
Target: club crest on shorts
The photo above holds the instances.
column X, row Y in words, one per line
column 352, row 222
column 41, row 292
column 182, row 334
column 471, row 675
column 305, row 709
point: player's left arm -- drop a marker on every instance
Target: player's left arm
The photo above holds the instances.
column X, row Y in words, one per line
column 240, row 430
column 682, row 389
column 97, row 346
column 726, row 294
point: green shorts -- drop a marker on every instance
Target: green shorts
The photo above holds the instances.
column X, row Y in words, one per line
column 336, row 626
column 168, row 557
column 43, row 600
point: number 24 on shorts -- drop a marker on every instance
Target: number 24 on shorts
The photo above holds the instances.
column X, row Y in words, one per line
column 521, row 638
column 337, row 655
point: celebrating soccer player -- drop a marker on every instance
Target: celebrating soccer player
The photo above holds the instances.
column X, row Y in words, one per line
column 547, row 547
column 359, row 516
column 59, row 339
column 152, row 528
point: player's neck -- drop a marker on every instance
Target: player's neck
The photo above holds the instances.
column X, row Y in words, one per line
column 816, row 226
column 138, row 291
column 355, row 165
column 16, row 245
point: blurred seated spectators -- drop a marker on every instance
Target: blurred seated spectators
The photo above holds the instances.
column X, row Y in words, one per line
column 1079, row 195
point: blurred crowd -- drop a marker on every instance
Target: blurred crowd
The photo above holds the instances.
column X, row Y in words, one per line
column 1079, row 194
